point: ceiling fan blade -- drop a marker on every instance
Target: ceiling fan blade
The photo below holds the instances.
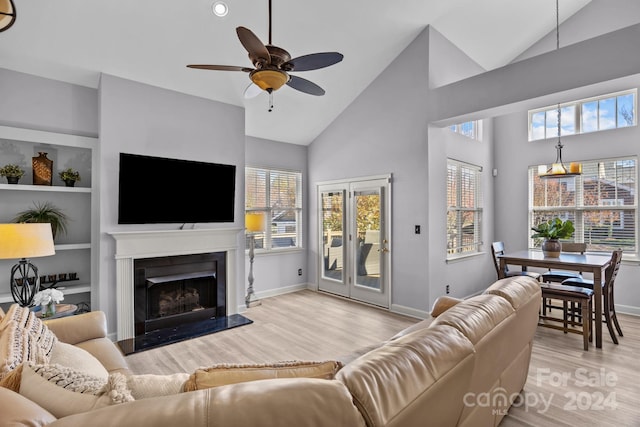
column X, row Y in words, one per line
column 257, row 50
column 304, row 85
column 252, row 91
column 220, row 67
column 314, row 61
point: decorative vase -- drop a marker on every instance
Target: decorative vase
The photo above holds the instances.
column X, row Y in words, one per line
column 12, row 179
column 69, row 182
column 42, row 169
column 49, row 310
column 551, row 248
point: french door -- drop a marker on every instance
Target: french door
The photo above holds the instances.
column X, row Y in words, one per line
column 354, row 225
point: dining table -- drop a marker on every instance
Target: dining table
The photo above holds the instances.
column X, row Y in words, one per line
column 594, row 263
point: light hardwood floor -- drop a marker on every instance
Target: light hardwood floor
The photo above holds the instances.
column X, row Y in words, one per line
column 566, row 386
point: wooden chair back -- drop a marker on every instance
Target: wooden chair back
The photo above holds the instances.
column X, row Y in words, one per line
column 497, row 248
column 574, row 247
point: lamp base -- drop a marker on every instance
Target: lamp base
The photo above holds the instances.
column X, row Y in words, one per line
column 24, row 282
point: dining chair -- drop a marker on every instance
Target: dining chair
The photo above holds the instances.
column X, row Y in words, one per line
column 608, row 306
column 578, row 295
column 558, row 276
column 497, row 248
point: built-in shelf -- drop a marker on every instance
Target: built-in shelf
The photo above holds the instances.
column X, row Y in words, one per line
column 73, row 246
column 79, row 203
column 67, row 290
column 44, row 188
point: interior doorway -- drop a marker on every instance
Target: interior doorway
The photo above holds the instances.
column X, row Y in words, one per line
column 354, row 239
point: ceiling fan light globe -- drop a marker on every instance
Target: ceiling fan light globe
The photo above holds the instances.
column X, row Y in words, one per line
column 7, row 14
column 269, row 79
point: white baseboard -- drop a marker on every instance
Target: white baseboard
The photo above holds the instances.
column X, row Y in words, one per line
column 628, row 309
column 275, row 292
column 408, row 311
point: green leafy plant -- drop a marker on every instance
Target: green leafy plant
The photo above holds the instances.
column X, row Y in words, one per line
column 45, row 212
column 553, row 229
column 12, row 171
column 69, row 175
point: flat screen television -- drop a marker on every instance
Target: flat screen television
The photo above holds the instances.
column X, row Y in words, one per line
column 155, row 190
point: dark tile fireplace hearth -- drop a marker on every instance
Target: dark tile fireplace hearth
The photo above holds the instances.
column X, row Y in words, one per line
column 177, row 298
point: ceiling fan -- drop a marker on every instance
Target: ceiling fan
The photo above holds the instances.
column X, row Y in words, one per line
column 273, row 65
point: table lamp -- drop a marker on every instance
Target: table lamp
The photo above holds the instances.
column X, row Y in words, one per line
column 254, row 223
column 24, row 241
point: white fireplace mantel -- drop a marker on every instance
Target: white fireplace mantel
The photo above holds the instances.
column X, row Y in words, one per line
column 131, row 245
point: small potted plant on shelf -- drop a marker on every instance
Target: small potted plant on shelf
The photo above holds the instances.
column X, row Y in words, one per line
column 45, row 212
column 69, row 176
column 13, row 173
column 47, row 300
column 551, row 232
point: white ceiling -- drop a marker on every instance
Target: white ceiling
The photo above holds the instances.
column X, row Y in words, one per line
column 152, row 41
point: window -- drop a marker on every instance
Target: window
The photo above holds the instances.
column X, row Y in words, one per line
column 472, row 129
column 464, row 209
column 610, row 111
column 278, row 194
column 601, row 202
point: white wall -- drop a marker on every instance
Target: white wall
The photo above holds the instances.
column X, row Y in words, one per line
column 142, row 119
column 276, row 273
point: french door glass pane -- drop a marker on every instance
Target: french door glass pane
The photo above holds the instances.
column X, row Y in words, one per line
column 368, row 248
column 333, row 234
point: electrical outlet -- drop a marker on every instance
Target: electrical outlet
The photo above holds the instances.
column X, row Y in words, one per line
column 447, row 289
column 299, row 272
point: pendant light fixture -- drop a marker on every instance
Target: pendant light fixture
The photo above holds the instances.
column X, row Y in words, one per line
column 558, row 168
column 7, row 14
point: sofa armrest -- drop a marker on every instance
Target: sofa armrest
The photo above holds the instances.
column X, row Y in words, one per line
column 265, row 403
column 443, row 304
column 79, row 328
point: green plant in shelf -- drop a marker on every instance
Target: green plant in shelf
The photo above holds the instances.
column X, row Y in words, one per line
column 553, row 229
column 12, row 171
column 69, row 175
column 45, row 212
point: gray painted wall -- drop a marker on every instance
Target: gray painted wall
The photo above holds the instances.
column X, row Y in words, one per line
column 279, row 272
column 385, row 130
column 141, row 119
column 48, row 105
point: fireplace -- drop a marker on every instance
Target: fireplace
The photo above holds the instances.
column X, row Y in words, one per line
column 175, row 290
column 188, row 279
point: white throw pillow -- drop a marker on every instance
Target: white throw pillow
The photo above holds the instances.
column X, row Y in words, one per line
column 149, row 385
column 79, row 359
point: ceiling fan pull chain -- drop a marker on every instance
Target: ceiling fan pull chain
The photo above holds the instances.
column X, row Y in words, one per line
column 270, row 101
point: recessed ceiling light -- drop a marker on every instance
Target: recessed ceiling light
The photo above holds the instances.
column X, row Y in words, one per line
column 220, row 8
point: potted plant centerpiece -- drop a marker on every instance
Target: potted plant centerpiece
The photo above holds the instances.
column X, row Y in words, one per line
column 551, row 232
column 69, row 176
column 13, row 173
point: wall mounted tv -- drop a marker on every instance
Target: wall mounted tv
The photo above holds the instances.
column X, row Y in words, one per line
column 156, row 190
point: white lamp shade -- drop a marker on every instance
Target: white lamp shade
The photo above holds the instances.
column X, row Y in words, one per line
column 254, row 222
column 26, row 240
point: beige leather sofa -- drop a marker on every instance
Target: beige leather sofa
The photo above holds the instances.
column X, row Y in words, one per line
column 431, row 374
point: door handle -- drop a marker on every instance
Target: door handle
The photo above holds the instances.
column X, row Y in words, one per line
column 383, row 250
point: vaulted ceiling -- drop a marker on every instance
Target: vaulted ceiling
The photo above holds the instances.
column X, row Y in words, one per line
column 152, row 41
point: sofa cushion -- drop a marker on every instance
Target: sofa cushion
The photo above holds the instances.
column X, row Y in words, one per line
column 80, row 360
column 517, row 290
column 477, row 316
column 17, row 410
column 23, row 338
column 401, row 382
column 63, row 391
column 224, row 374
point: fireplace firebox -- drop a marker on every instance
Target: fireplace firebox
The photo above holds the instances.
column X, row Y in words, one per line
column 179, row 297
